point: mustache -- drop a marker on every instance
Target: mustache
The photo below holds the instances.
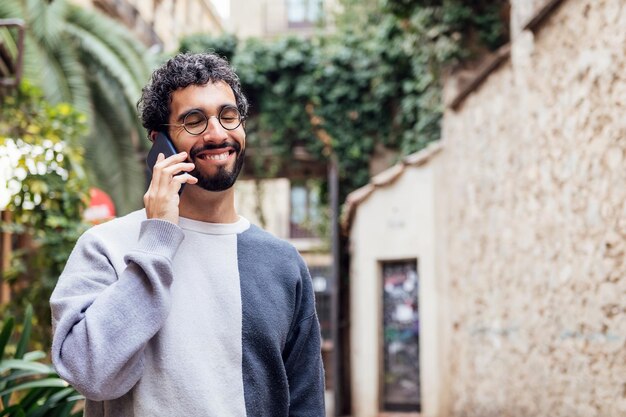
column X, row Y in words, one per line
column 211, row 146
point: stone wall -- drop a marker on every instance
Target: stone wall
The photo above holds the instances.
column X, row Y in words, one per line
column 536, row 224
column 523, row 11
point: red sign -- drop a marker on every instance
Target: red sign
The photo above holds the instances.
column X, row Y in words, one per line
column 101, row 207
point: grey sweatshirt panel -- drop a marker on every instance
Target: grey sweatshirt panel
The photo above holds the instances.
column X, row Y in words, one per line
column 282, row 368
column 93, row 346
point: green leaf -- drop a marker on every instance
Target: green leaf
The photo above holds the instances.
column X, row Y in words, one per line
column 57, row 401
column 18, row 375
column 64, row 411
column 7, row 330
column 25, row 365
column 40, row 383
column 25, row 337
column 13, row 411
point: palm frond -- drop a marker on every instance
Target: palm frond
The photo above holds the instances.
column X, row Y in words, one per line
column 94, row 49
column 117, row 169
column 112, row 152
column 45, row 20
column 75, row 79
column 117, row 37
column 11, row 9
column 123, row 111
column 7, row 41
column 44, row 68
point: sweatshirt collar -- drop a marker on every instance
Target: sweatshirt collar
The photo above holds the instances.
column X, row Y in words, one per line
column 239, row 226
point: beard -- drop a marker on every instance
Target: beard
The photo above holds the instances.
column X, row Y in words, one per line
column 225, row 177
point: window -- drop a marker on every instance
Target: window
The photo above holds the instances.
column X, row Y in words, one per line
column 401, row 391
column 302, row 13
column 305, row 214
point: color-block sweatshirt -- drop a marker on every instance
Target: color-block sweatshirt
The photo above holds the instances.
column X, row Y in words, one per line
column 197, row 319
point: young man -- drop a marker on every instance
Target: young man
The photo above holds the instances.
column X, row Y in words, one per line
column 184, row 308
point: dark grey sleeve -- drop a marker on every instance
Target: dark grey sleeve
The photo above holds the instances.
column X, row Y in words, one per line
column 303, row 355
column 102, row 321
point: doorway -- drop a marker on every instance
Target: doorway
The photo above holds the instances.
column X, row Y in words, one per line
column 400, row 337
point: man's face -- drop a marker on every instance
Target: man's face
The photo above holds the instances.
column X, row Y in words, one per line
column 217, row 153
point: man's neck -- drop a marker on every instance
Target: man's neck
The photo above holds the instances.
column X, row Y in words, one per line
column 208, row 206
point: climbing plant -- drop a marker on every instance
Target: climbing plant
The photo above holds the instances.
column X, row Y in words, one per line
column 376, row 81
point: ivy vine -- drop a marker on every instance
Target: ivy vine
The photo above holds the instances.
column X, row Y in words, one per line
column 375, row 81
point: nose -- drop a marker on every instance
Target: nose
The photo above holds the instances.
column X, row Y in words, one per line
column 214, row 131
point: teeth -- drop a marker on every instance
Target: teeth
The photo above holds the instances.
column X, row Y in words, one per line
column 218, row 157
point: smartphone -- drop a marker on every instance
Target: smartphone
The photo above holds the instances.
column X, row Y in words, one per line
column 162, row 144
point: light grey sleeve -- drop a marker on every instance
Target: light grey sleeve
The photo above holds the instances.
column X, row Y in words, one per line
column 102, row 321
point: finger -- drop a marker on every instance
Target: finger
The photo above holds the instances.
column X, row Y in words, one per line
column 175, row 169
column 173, row 159
column 172, row 171
column 161, row 174
column 178, row 181
column 154, row 183
column 163, row 162
column 184, row 179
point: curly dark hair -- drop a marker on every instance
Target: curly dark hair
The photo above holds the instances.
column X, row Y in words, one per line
column 179, row 72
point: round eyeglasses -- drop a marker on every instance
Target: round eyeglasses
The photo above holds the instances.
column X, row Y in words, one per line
column 195, row 122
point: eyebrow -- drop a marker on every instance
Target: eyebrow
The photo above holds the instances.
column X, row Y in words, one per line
column 182, row 116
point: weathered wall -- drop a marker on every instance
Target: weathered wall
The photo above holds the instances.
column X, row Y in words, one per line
column 536, row 224
column 522, row 11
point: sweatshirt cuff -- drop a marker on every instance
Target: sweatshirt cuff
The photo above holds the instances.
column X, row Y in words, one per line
column 160, row 237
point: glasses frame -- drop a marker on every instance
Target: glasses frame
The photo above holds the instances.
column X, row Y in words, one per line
column 206, row 120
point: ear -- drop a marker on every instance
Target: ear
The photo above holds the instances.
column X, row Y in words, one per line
column 152, row 135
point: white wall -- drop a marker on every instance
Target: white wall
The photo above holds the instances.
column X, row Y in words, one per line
column 396, row 222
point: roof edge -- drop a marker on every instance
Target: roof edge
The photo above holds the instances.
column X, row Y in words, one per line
column 385, row 178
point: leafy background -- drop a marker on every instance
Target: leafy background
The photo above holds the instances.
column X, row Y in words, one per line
column 374, row 83
column 84, row 58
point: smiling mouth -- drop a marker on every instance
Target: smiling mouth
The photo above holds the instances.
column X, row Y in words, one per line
column 216, row 156
column 215, row 153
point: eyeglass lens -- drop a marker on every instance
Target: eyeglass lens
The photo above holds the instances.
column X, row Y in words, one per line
column 196, row 122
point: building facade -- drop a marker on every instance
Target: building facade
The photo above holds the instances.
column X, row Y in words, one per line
column 274, row 18
column 162, row 23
